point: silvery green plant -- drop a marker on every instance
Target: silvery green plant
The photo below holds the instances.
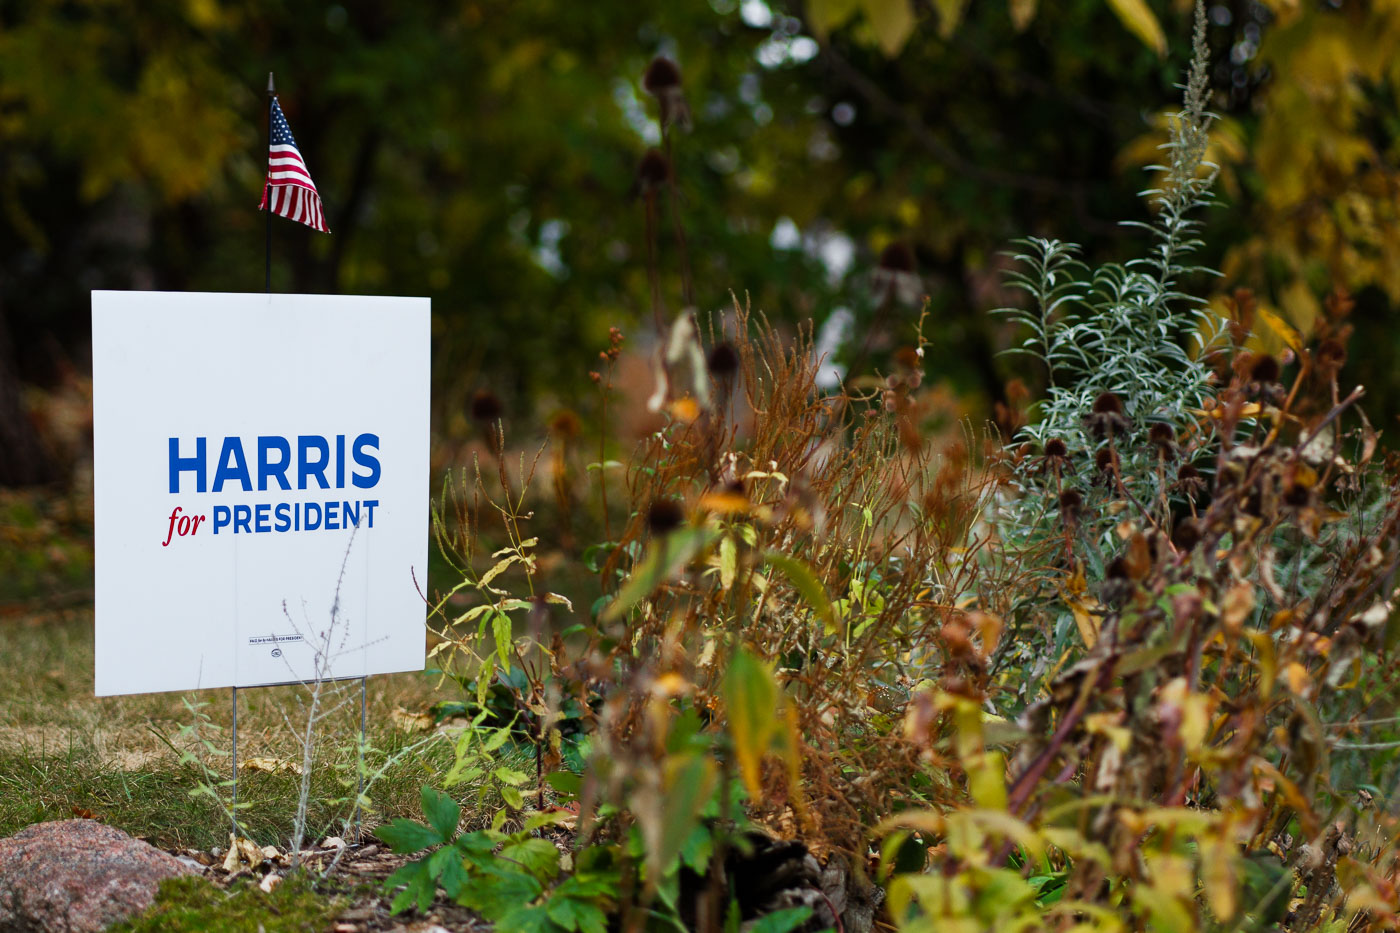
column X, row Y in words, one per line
column 1123, row 349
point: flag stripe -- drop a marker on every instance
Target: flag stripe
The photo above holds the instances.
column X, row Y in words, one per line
column 289, row 191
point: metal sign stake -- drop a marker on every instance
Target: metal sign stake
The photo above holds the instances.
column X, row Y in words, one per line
column 233, row 810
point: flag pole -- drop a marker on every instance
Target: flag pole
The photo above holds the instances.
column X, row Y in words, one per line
column 271, row 96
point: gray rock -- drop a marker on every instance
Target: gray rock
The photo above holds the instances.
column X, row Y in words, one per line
column 77, row 876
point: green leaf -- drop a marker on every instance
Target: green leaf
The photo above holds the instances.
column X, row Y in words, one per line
column 690, row 783
column 497, row 739
column 475, row 844
column 577, row 916
column 532, row 919
column 404, row 836
column 565, row 782
column 666, row 555
column 537, row 856
column 696, row 852
column 498, row 889
column 501, row 628
column 513, row 798
column 751, row 699
column 781, row 921
column 805, row 581
column 442, row 813
column 511, row 776
column 728, row 561
column 454, row 874
column 483, row 680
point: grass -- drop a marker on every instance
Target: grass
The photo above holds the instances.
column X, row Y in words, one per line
column 64, row 752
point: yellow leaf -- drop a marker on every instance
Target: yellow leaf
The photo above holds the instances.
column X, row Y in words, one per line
column 751, row 700
column 1282, row 328
column 496, row 571
column 728, row 561
column 950, row 13
column 1298, row 680
column 1236, row 606
column 986, row 780
column 1022, row 12
column 1141, row 22
column 823, row 16
column 1218, row 877
column 892, row 21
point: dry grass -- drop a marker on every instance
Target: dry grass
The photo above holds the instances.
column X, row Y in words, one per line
column 64, row 751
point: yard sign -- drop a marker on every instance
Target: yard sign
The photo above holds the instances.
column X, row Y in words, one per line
column 246, row 449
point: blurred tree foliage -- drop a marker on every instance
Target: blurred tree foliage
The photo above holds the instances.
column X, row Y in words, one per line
column 484, row 154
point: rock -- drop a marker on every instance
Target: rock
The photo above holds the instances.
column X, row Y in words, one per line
column 77, row 876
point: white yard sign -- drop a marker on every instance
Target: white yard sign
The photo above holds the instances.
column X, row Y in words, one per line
column 247, row 448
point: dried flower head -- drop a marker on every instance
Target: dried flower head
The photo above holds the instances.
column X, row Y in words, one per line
column 1186, row 534
column 653, row 171
column 1105, row 418
column 1298, row 494
column 661, row 75
column 723, row 359
column 1163, row 438
column 664, row 515
column 897, row 257
column 486, row 406
column 662, row 80
column 1264, row 369
column 1071, row 505
column 1107, row 403
column 896, row 278
column 1106, row 468
column 1189, row 480
column 1056, row 449
column 1330, row 357
column 1339, row 303
column 565, row 424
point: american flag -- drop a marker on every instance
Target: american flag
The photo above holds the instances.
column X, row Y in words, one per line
column 290, row 191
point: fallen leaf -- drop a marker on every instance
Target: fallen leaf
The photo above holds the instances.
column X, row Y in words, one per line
column 242, row 853
column 411, row 722
column 269, row 765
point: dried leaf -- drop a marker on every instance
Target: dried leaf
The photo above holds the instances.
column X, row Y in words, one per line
column 408, row 721
column 274, row 765
column 242, row 853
